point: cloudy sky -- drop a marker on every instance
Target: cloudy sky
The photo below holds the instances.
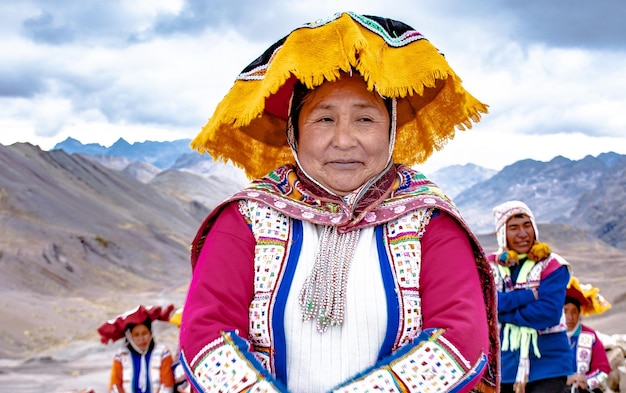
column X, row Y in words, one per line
column 551, row 71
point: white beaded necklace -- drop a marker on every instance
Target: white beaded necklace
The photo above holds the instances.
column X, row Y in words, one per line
column 323, row 295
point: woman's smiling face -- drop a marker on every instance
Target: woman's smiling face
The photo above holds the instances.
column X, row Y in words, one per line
column 343, row 134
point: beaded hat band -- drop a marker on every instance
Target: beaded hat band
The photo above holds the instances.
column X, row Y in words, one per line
column 249, row 125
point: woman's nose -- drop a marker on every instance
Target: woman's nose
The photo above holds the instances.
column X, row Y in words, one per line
column 344, row 135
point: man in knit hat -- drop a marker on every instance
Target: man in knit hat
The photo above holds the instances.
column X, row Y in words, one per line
column 531, row 282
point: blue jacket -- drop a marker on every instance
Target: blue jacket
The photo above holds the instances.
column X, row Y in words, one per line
column 544, row 314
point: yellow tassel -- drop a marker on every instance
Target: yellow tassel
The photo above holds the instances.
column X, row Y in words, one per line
column 539, row 252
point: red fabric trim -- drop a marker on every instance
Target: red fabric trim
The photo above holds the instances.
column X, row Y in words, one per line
column 221, row 303
column 550, row 267
column 599, row 359
column 453, row 302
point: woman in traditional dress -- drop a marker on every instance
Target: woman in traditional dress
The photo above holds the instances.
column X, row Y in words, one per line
column 589, row 358
column 340, row 267
column 141, row 365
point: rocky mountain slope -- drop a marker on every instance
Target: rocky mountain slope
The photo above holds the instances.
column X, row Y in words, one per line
column 455, row 179
column 82, row 240
column 584, row 193
column 82, row 211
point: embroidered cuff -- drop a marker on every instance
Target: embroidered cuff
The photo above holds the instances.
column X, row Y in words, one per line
column 597, row 380
column 226, row 365
column 429, row 364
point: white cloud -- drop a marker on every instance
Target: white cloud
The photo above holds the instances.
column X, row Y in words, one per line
column 155, row 70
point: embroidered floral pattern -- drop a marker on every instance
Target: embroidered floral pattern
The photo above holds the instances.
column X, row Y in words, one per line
column 222, row 367
column 406, row 253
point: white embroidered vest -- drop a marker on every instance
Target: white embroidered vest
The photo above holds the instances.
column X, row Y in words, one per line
column 154, row 367
column 273, row 230
column 583, row 352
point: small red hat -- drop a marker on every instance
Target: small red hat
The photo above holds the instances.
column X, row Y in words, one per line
column 591, row 302
column 113, row 329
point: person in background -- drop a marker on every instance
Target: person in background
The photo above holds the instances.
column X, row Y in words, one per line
column 589, row 358
column 141, row 365
column 340, row 268
column 531, row 282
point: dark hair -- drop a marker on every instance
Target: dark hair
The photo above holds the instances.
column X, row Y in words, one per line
column 572, row 300
column 147, row 323
column 297, row 100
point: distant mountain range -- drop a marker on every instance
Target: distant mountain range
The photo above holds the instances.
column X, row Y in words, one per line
column 586, row 193
column 160, row 154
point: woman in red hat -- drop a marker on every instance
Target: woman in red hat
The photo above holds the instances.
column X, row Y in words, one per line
column 141, row 365
column 589, row 358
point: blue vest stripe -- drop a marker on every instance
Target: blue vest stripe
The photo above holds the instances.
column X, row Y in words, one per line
column 393, row 313
column 278, row 325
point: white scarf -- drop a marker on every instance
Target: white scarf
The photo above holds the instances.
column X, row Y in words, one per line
column 143, row 367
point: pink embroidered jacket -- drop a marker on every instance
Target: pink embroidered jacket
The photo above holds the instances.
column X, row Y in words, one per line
column 449, row 342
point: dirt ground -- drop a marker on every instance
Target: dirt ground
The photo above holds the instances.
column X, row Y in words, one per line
column 64, row 353
column 81, row 365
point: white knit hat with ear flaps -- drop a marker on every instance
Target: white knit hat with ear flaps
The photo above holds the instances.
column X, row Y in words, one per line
column 503, row 212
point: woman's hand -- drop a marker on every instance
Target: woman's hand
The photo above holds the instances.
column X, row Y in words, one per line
column 578, row 380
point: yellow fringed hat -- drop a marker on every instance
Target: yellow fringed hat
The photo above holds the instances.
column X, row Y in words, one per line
column 176, row 317
column 249, row 125
column 591, row 302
